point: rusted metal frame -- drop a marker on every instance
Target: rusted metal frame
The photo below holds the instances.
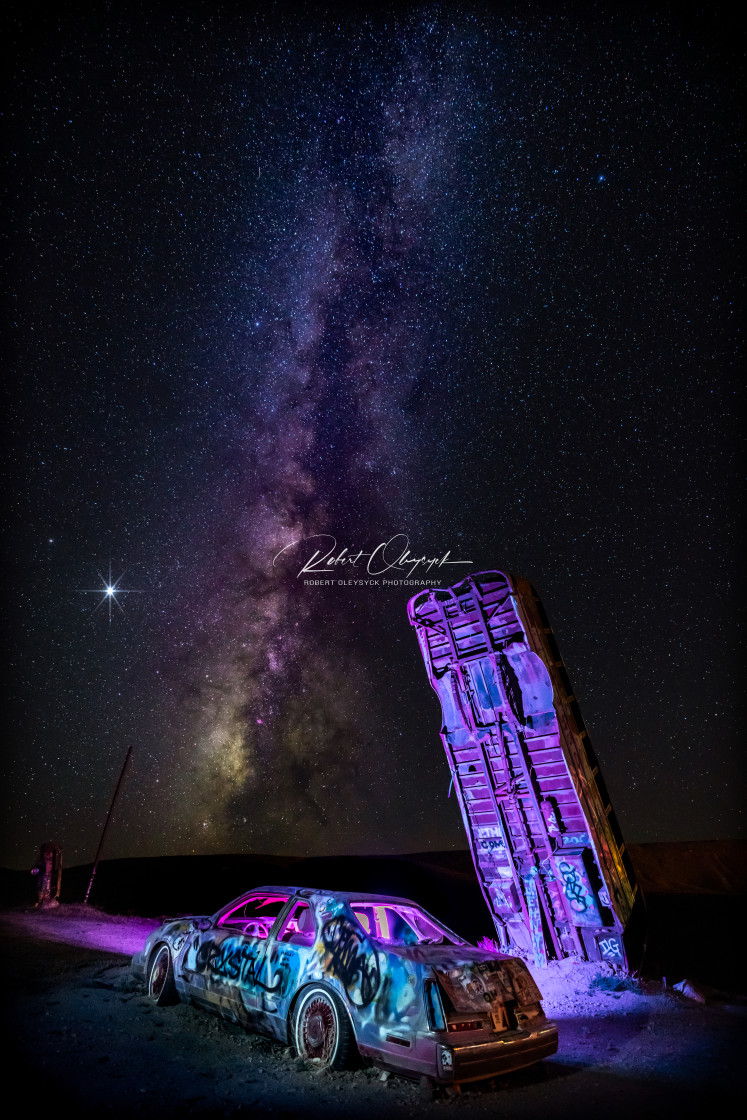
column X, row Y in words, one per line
column 489, row 612
column 503, row 824
column 457, row 670
column 466, row 816
column 571, row 738
column 514, row 792
column 530, row 779
column 505, row 759
column 543, row 894
column 499, row 816
column 466, row 686
column 499, row 743
column 513, row 724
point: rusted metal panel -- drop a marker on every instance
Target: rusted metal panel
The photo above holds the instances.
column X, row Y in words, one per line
column 546, row 846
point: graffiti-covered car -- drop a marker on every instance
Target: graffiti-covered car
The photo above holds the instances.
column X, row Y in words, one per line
column 335, row 974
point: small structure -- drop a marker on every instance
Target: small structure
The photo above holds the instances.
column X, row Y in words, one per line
column 546, row 846
column 49, row 876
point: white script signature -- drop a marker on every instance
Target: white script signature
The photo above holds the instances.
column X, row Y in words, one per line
column 393, row 555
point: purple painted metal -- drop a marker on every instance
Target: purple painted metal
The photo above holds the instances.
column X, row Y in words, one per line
column 545, row 843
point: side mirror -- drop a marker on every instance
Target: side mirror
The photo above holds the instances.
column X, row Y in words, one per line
column 202, row 924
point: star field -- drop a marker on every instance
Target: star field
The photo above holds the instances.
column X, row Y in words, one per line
column 469, row 275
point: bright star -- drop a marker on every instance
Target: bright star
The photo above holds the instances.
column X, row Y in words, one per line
column 109, row 592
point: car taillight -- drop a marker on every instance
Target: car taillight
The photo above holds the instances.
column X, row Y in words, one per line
column 469, row 1025
column 433, row 1006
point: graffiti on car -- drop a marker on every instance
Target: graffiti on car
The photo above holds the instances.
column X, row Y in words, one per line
column 383, row 959
column 237, row 961
column 352, row 959
column 479, row 985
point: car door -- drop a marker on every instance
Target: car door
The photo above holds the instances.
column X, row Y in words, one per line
column 221, row 965
column 289, row 961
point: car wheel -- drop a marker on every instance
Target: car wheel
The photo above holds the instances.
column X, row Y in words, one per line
column 322, row 1029
column 161, row 986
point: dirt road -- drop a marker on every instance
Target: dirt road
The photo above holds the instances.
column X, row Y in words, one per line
column 81, row 1035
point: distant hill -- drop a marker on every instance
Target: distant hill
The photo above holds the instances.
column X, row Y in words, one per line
column 443, row 882
column 691, row 867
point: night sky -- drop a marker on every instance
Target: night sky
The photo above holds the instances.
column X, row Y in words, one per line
column 467, row 274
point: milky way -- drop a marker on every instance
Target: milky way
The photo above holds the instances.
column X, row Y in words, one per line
column 466, row 277
column 331, row 446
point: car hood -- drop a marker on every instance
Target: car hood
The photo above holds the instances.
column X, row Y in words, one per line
column 187, row 920
column 474, row 978
column 174, row 928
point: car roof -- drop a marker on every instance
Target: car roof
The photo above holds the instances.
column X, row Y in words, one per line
column 341, row 896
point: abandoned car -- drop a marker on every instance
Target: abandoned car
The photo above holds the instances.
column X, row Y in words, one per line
column 338, row 974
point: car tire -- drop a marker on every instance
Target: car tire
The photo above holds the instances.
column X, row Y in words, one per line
column 322, row 1029
column 161, row 985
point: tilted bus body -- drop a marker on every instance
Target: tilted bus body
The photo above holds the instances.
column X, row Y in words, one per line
column 547, row 849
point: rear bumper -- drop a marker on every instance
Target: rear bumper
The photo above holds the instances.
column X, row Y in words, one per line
column 446, row 1060
column 514, row 1050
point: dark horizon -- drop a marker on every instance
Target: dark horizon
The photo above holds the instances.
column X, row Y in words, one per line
column 432, row 852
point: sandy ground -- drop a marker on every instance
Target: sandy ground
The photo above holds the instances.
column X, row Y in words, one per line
column 81, row 1034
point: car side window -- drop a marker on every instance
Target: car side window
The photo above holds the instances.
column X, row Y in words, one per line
column 299, row 927
column 254, row 916
column 398, row 925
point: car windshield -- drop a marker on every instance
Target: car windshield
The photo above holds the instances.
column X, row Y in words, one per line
column 395, row 924
column 254, row 915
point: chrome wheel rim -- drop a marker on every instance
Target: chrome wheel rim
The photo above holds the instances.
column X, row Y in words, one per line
column 319, row 1029
column 158, row 973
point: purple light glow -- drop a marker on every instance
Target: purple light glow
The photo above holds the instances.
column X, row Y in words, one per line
column 86, row 928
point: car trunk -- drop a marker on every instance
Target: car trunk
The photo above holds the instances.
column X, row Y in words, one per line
column 486, row 987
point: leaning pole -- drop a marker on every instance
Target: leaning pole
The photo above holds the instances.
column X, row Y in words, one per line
column 106, row 823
